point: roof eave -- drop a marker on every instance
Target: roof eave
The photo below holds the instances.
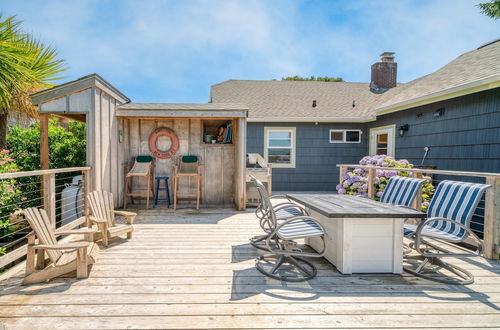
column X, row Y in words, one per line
column 465, row 89
column 76, row 86
column 364, row 119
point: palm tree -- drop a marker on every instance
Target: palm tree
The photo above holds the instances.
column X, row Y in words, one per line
column 26, row 66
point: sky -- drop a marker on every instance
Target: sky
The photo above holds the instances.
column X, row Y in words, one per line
column 173, row 51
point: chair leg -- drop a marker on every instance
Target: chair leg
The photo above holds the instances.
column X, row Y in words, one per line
column 429, row 267
column 198, row 187
column 125, row 197
column 82, row 270
column 293, row 269
column 129, row 235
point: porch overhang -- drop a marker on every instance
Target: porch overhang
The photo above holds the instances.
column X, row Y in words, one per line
column 182, row 110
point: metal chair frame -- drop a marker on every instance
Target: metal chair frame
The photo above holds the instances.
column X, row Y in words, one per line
column 282, row 251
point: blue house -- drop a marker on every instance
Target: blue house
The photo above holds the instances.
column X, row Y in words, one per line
column 306, row 128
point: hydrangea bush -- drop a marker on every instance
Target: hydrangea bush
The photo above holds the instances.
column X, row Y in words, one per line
column 355, row 182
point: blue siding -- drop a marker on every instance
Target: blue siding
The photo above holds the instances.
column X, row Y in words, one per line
column 316, row 157
column 465, row 138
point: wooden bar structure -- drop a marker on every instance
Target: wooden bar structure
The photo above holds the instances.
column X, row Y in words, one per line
column 491, row 239
column 118, row 130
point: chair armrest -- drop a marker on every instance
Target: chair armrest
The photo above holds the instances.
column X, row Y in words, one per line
column 67, row 246
column 97, row 220
column 82, row 231
column 468, row 232
column 129, row 215
column 125, row 213
column 286, row 205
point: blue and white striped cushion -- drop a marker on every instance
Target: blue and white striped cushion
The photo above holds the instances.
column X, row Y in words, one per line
column 409, row 230
column 300, row 228
column 287, row 213
column 401, row 190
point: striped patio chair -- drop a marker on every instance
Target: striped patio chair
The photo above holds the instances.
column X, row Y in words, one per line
column 270, row 212
column 401, row 191
column 448, row 220
column 285, row 223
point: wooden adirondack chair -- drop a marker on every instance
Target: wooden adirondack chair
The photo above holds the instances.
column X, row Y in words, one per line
column 103, row 215
column 64, row 257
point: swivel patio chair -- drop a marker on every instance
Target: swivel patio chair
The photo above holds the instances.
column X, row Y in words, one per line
column 285, row 260
column 448, row 221
column 267, row 210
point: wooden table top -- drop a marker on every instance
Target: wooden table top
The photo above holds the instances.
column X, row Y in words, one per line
column 348, row 206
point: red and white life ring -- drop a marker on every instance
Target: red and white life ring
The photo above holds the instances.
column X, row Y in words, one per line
column 153, row 139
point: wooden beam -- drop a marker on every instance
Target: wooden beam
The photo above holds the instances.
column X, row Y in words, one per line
column 492, row 219
column 44, row 141
column 240, row 160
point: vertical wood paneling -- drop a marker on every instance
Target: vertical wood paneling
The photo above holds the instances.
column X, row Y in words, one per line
column 115, row 158
column 96, row 149
column 105, row 142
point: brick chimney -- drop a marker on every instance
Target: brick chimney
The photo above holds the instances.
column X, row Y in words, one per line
column 384, row 73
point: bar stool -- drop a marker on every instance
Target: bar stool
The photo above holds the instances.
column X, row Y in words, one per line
column 158, row 181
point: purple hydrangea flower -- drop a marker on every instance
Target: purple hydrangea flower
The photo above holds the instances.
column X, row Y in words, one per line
column 364, row 187
column 379, row 193
column 342, row 191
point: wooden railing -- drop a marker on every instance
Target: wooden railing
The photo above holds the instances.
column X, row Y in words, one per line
column 491, row 232
column 43, row 191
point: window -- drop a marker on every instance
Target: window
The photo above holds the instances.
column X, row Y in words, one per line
column 280, row 146
column 382, row 140
column 345, row 136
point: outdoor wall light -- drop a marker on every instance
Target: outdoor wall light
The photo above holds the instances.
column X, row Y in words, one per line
column 403, row 129
column 439, row 112
column 120, row 136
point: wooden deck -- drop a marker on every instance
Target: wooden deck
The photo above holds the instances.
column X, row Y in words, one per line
column 195, row 270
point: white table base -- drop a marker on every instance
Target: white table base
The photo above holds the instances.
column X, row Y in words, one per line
column 362, row 245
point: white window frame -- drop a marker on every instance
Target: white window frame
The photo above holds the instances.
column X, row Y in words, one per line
column 293, row 131
column 390, row 130
column 344, row 134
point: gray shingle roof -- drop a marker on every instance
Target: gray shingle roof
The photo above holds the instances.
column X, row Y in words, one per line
column 292, row 100
column 468, row 68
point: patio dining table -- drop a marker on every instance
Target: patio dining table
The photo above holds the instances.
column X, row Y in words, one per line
column 362, row 235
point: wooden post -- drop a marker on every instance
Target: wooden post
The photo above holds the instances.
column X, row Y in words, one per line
column 342, row 171
column 371, row 179
column 491, row 239
column 240, row 159
column 49, row 196
column 86, row 190
column 417, row 203
column 44, row 142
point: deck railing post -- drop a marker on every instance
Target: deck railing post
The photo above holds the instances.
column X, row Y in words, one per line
column 491, row 237
column 342, row 171
column 49, row 196
column 371, row 184
column 417, row 203
column 86, row 213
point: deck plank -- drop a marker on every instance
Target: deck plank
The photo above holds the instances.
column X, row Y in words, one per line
column 195, row 270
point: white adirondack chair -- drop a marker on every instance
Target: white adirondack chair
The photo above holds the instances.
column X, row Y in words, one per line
column 64, row 257
column 103, row 215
